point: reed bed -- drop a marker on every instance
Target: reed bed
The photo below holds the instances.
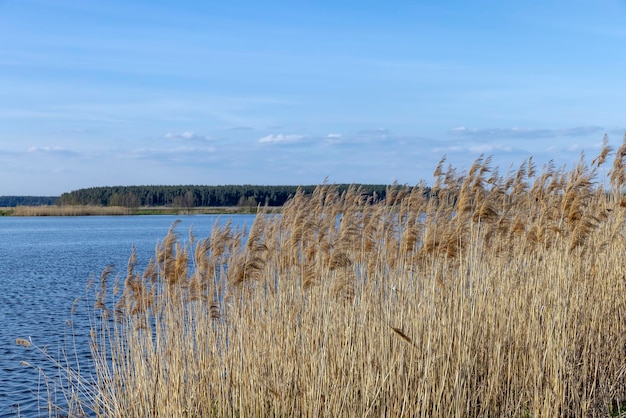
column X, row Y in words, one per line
column 494, row 295
column 69, row 210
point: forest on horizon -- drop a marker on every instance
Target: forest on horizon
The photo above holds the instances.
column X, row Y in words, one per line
column 185, row 196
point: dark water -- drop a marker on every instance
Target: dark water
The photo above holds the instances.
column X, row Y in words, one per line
column 45, row 264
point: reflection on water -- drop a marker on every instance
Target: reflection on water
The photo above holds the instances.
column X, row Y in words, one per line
column 45, row 264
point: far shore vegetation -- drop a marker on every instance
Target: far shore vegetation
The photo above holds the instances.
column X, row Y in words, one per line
column 491, row 295
column 90, row 210
column 166, row 200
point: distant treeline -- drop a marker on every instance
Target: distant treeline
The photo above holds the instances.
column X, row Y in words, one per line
column 197, row 196
column 13, row 201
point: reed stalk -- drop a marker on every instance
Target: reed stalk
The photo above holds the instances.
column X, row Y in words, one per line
column 497, row 295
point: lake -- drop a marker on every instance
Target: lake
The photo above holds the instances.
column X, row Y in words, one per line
column 45, row 264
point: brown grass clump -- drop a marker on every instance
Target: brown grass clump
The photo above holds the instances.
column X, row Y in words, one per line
column 494, row 295
column 69, row 210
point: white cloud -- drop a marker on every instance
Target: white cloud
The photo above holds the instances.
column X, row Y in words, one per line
column 333, row 136
column 488, row 148
column 39, row 149
column 186, row 136
column 50, row 151
column 281, row 139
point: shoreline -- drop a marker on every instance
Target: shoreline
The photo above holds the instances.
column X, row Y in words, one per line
column 86, row 210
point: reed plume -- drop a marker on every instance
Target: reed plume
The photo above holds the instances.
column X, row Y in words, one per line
column 488, row 295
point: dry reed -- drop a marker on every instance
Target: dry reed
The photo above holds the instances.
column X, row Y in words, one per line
column 69, row 210
column 495, row 295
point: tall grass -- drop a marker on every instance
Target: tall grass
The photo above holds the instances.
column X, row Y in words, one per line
column 69, row 210
column 91, row 210
column 500, row 295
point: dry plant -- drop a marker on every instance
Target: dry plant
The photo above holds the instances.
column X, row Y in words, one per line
column 69, row 210
column 488, row 295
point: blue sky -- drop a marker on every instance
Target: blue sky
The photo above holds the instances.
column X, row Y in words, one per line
column 115, row 92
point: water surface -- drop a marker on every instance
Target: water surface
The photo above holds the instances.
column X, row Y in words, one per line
column 45, row 264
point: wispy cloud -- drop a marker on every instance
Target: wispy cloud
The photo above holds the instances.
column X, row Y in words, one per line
column 241, row 128
column 281, row 139
column 333, row 136
column 186, row 136
column 474, row 147
column 489, row 148
column 58, row 151
column 527, row 133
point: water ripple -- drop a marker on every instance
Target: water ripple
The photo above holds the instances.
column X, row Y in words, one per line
column 45, row 264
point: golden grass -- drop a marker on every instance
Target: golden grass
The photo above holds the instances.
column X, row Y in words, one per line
column 69, row 210
column 91, row 210
column 501, row 295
